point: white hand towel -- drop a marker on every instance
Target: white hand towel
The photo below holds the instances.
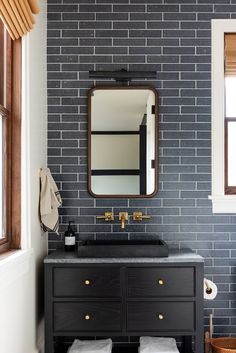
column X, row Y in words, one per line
column 99, row 346
column 50, row 200
column 158, row 345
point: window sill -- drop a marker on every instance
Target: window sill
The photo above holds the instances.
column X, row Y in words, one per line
column 13, row 265
column 223, row 203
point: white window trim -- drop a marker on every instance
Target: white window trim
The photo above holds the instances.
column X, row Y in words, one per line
column 221, row 203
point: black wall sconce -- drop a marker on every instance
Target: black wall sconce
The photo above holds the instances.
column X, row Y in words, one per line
column 123, row 75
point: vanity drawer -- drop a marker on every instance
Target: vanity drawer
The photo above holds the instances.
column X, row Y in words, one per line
column 160, row 316
column 161, row 281
column 86, row 282
column 87, row 316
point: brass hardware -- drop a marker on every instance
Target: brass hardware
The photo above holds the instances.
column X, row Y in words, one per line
column 123, row 216
column 161, row 282
column 87, row 317
column 108, row 216
column 160, row 316
column 87, row 282
column 138, row 216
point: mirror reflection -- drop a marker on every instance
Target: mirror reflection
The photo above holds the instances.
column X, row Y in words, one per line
column 122, row 141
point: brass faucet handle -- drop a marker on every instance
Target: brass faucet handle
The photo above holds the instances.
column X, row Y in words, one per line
column 108, row 216
column 138, row 216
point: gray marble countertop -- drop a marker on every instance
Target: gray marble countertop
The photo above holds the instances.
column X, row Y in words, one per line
column 175, row 255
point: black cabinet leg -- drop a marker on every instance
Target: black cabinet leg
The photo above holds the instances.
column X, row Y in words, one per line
column 187, row 344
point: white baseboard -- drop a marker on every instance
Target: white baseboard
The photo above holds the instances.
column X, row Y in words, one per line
column 40, row 337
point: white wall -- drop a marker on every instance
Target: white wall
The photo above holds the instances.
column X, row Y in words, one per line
column 115, row 151
column 21, row 287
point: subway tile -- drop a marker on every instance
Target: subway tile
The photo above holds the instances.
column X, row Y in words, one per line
column 95, row 8
column 111, row 50
column 197, row 8
column 195, row 177
column 129, row 25
column 195, row 42
column 111, row 33
column 62, row 8
column 178, row 202
column 62, row 160
column 145, row 16
column 179, row 186
column 179, row 220
column 112, row 16
column 163, row 8
column 95, row 25
column 162, row 58
column 54, row 16
column 111, row 202
column 95, row 42
column 129, row 8
column 162, row 25
column 144, row 33
column 162, row 227
column 209, row 16
column 62, row 58
column 222, row 8
column 173, row 39
column 196, row 211
column 62, row 25
column 95, row 59
column 98, row 228
column 75, row 16
column 62, row 42
column 77, row 33
column 191, row 16
column 178, row 33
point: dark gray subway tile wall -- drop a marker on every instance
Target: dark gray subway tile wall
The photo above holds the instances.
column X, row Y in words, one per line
column 173, row 38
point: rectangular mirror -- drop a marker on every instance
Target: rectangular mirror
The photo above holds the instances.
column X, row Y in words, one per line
column 122, row 141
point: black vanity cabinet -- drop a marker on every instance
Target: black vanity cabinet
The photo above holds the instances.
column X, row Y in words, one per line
column 127, row 297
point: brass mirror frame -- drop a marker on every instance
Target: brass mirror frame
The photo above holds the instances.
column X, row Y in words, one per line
column 114, row 87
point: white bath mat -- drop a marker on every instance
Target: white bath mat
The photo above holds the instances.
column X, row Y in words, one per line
column 158, row 345
column 98, row 346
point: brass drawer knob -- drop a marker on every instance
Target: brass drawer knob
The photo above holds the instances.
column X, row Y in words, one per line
column 160, row 316
column 161, row 282
column 87, row 282
column 87, row 317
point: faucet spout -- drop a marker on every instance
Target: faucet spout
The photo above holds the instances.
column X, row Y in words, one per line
column 123, row 216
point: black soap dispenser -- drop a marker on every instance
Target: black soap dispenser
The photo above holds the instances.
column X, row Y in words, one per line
column 70, row 238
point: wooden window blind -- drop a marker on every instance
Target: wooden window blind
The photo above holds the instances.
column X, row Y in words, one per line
column 17, row 16
column 230, row 54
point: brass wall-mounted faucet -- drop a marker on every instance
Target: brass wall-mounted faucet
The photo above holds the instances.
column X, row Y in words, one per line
column 123, row 216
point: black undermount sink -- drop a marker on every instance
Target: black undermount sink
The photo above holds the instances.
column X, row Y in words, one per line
column 122, row 248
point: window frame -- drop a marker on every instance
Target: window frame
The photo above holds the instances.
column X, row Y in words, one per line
column 221, row 202
column 11, row 110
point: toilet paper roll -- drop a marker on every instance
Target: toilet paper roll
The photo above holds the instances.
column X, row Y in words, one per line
column 210, row 289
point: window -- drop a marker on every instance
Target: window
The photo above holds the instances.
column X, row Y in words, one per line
column 230, row 112
column 223, row 119
column 10, row 108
